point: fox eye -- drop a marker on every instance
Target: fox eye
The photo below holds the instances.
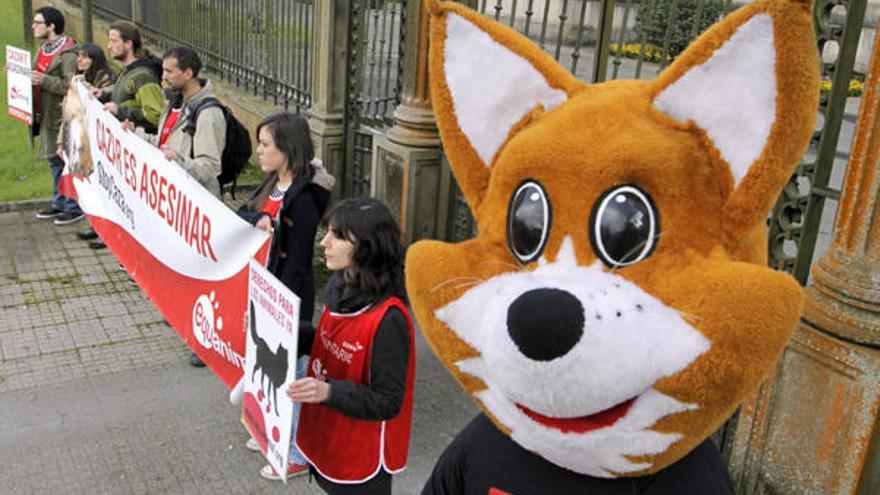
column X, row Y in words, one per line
column 528, row 221
column 624, row 226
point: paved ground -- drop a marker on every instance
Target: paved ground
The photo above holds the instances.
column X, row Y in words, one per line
column 97, row 396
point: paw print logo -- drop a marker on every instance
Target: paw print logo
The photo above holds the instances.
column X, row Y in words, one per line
column 203, row 322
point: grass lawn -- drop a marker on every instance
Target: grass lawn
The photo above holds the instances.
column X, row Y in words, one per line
column 22, row 176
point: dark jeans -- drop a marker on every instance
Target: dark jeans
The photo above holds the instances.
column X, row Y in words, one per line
column 60, row 202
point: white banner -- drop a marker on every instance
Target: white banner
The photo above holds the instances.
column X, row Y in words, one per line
column 19, row 90
column 183, row 246
column 270, row 365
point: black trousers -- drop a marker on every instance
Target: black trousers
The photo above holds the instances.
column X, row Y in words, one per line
column 377, row 485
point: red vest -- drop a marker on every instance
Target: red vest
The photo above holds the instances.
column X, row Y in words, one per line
column 344, row 449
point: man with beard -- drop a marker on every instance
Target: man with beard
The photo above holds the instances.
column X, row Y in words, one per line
column 55, row 64
column 137, row 95
column 198, row 151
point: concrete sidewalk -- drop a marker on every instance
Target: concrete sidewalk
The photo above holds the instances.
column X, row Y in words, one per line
column 97, row 396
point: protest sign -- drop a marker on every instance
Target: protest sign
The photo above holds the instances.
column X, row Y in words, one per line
column 273, row 322
column 19, row 91
column 185, row 249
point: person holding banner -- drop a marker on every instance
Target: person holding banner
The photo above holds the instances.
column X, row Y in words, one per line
column 358, row 396
column 55, row 65
column 289, row 205
column 92, row 68
column 198, row 152
column 290, row 202
column 137, row 95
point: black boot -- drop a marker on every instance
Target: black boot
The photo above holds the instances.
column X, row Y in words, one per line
column 195, row 361
column 87, row 234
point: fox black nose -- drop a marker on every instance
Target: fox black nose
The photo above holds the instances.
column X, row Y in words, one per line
column 545, row 323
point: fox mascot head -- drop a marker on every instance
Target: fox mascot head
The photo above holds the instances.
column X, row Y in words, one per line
column 615, row 307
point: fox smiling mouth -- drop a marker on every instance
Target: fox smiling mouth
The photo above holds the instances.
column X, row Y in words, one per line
column 583, row 424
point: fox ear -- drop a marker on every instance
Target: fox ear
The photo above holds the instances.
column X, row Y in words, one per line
column 751, row 83
column 485, row 79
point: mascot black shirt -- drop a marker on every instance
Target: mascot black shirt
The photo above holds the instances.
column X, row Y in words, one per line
column 484, row 461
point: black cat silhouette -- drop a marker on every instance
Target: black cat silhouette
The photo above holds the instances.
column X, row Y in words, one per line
column 273, row 365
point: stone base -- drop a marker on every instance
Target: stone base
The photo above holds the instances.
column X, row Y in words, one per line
column 845, row 299
column 329, row 144
column 414, row 184
column 810, row 429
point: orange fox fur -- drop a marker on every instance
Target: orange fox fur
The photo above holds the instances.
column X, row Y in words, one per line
column 709, row 261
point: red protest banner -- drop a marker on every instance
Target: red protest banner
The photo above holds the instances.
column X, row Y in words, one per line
column 185, row 249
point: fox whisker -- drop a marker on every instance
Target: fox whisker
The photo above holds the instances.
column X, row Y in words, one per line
column 470, row 280
column 638, row 247
column 507, row 264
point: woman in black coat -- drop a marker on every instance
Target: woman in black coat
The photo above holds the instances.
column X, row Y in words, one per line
column 289, row 204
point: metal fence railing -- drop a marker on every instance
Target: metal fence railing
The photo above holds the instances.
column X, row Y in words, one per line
column 601, row 39
column 375, row 44
column 261, row 46
column 115, row 8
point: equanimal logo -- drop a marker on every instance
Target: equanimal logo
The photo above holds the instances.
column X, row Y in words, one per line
column 204, row 325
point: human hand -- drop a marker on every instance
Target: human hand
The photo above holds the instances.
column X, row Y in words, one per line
column 265, row 224
column 169, row 153
column 309, row 390
column 37, row 77
column 111, row 107
column 127, row 125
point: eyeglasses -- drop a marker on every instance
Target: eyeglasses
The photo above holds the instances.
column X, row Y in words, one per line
column 37, row 22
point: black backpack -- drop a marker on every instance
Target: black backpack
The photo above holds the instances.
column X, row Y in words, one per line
column 237, row 150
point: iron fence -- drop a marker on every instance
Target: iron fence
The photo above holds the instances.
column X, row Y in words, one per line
column 605, row 39
column 809, row 200
column 115, row 8
column 261, row 46
column 375, row 44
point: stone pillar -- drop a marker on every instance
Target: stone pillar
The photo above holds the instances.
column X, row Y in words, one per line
column 408, row 173
column 813, row 426
column 328, row 86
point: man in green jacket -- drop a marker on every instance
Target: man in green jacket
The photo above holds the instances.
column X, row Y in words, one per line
column 54, row 66
column 137, row 94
